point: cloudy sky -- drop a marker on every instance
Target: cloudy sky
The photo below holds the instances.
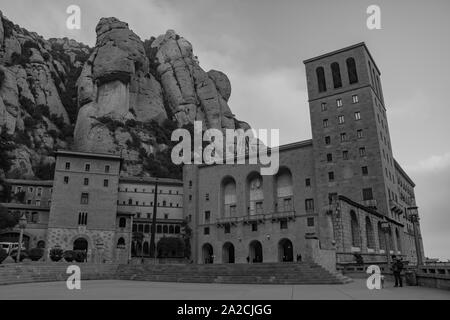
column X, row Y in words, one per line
column 260, row 45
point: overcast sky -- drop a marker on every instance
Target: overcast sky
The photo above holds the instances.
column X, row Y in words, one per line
column 261, row 44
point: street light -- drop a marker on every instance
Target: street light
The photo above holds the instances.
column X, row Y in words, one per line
column 22, row 226
column 414, row 216
column 385, row 227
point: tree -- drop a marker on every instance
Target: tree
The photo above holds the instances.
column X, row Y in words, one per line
column 170, row 247
column 8, row 220
column 138, row 238
column 6, row 145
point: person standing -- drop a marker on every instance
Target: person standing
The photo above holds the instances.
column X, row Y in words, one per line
column 397, row 268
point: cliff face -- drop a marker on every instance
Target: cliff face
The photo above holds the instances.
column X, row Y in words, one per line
column 123, row 96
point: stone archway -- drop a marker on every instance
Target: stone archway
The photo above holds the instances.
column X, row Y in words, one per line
column 208, row 253
column 285, row 250
column 80, row 244
column 228, row 253
column 255, row 252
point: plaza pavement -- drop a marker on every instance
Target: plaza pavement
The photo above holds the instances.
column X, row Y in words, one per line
column 116, row 289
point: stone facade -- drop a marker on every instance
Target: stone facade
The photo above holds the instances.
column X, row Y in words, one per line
column 330, row 193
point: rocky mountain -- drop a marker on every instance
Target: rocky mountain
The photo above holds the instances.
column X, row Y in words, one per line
column 123, row 96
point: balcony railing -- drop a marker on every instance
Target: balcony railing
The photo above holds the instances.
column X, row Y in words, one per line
column 370, row 203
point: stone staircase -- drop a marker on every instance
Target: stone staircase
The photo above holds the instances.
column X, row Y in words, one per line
column 261, row 273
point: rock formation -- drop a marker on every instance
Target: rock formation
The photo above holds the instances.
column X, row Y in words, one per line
column 123, row 96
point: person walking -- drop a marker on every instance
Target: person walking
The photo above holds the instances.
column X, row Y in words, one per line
column 397, row 267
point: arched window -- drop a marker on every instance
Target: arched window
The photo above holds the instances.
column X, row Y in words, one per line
column 356, row 240
column 369, row 234
column 158, row 228
column 381, row 238
column 255, row 192
column 320, row 73
column 165, row 229
column 351, row 70
column 171, row 229
column 336, row 72
column 121, row 242
column 122, row 222
column 284, row 190
column 229, row 197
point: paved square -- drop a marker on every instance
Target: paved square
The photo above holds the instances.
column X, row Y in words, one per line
column 116, row 289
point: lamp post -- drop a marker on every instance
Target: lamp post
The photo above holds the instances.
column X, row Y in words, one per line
column 414, row 216
column 385, row 227
column 22, row 226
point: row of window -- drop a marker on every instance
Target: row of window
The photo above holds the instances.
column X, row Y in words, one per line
column 152, row 191
column 336, row 75
column 87, row 167
column 341, row 119
column 339, row 104
column 86, row 181
column 143, row 204
column 165, row 229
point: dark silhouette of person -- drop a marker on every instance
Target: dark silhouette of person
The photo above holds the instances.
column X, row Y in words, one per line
column 397, row 267
column 299, row 257
column 248, row 259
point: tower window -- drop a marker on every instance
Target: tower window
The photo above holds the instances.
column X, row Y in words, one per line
column 325, row 123
column 336, row 72
column 67, row 165
column 107, row 169
column 355, row 98
column 365, row 171
column 343, row 137
column 329, row 157
column 310, row 221
column 331, row 176
column 323, row 106
column 207, row 216
column 341, row 119
column 82, row 218
column 283, row 224
column 227, row 228
column 309, row 204
column 362, row 152
column 327, row 140
column 84, row 198
column 339, row 103
column 105, row 182
column 66, row 180
column 206, row 230
column 367, row 194
column 320, row 73
column 308, row 182
column 345, row 155
column 254, row 227
column 351, row 69
column 357, row 115
column 86, row 181
column 87, row 167
column 359, row 133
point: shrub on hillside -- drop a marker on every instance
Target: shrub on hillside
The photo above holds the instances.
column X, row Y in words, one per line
column 56, row 254
column 36, row 253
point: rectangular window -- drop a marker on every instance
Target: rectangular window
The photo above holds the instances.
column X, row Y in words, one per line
column 365, row 171
column 259, row 207
column 357, row 115
column 362, row 152
column 107, row 167
column 233, row 210
column 367, row 194
column 82, row 218
column 329, row 157
column 66, row 180
column 339, row 103
column 359, row 133
column 283, row 224
column 332, row 198
column 331, row 176
column 309, row 204
column 310, row 222
column 87, row 167
column 254, row 227
column 343, row 137
column 207, row 197
column 84, row 198
column 308, row 182
column 206, row 230
column 341, row 119
column 30, row 189
column 227, row 228
column 190, row 197
column 207, row 216
column 38, row 203
column 325, row 123
column 67, row 165
column 345, row 155
column 105, row 182
column 287, row 202
column 324, row 106
column 355, row 98
column 86, row 181
column 327, row 140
